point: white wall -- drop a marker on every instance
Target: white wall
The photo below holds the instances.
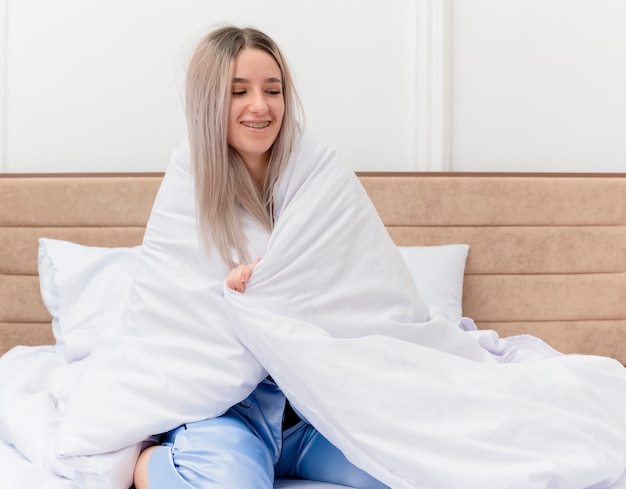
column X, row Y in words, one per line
column 3, row 92
column 466, row 85
column 538, row 85
column 95, row 86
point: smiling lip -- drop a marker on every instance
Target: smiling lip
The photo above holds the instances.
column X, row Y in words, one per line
column 256, row 125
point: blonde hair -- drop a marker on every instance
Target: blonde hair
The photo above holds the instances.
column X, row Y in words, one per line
column 221, row 180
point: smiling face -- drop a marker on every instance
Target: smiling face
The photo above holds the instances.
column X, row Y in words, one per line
column 257, row 107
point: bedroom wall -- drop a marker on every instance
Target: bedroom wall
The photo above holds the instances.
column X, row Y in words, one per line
column 538, row 85
column 466, row 85
column 95, row 86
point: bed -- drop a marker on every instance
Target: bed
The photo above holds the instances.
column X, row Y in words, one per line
column 547, row 254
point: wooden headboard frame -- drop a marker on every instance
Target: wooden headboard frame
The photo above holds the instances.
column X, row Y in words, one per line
column 547, row 251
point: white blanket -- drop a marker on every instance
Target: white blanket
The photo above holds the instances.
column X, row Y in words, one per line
column 331, row 312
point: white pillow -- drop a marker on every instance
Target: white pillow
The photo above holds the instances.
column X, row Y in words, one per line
column 85, row 289
column 438, row 272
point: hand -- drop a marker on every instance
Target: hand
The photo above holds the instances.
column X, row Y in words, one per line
column 238, row 276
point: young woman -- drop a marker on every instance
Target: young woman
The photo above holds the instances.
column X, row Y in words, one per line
column 242, row 111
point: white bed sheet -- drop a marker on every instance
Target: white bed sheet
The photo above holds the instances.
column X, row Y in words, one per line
column 18, row 473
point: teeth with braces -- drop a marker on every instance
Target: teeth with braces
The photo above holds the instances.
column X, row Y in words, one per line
column 257, row 125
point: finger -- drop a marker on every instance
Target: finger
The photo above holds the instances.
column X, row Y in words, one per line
column 239, row 287
column 247, row 272
column 245, row 276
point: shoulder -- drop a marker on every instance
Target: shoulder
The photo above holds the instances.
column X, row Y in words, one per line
column 310, row 146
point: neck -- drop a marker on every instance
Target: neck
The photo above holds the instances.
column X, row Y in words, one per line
column 257, row 168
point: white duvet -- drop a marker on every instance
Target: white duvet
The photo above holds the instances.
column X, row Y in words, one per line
column 331, row 312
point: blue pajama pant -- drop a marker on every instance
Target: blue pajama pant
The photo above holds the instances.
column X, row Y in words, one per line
column 231, row 452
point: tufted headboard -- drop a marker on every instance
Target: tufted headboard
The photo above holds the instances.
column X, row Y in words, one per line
column 547, row 251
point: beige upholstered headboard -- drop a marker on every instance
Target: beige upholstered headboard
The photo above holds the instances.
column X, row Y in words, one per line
column 547, row 252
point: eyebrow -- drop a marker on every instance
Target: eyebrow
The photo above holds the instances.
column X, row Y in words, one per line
column 272, row 79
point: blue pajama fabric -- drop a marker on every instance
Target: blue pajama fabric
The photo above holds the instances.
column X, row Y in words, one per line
column 220, row 453
column 245, row 449
column 308, row 455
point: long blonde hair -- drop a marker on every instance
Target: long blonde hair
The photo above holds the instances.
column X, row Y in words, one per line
column 221, row 180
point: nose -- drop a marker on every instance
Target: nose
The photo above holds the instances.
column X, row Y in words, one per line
column 257, row 103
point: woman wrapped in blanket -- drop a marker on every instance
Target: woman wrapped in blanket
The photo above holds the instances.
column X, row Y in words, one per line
column 242, row 111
